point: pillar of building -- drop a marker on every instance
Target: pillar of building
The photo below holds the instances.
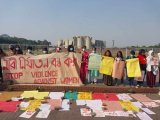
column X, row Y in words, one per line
column 66, row 43
column 79, row 42
column 88, row 42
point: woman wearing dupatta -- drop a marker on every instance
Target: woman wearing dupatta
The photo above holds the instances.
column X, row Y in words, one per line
column 107, row 79
column 93, row 73
column 84, row 65
column 152, row 69
column 118, row 69
column 142, row 62
column 2, row 54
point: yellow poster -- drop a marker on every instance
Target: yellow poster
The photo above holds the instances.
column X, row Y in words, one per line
column 133, row 68
column 28, row 94
column 34, row 104
column 127, row 105
column 84, row 95
column 106, row 65
column 41, row 95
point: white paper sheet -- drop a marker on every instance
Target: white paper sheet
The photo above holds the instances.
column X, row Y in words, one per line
column 80, row 102
column 124, row 96
column 143, row 116
column 85, row 112
column 110, row 114
column 43, row 114
column 148, row 111
column 94, row 104
column 65, row 105
column 56, row 95
column 138, row 104
column 27, row 114
column 157, row 101
column 99, row 113
column 45, row 107
column 122, row 113
column 16, row 98
column 150, row 104
column 24, row 104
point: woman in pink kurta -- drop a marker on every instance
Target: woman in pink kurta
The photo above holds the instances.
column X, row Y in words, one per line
column 84, row 65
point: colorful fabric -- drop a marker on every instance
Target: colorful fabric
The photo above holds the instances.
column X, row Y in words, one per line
column 94, row 73
column 151, row 79
column 99, row 96
column 111, row 106
column 133, row 68
column 34, row 104
column 28, row 94
column 118, row 69
column 41, row 95
column 129, row 106
column 106, row 65
column 84, row 96
column 55, row 103
column 141, row 97
column 111, row 97
column 9, row 106
column 94, row 61
column 70, row 95
column 142, row 59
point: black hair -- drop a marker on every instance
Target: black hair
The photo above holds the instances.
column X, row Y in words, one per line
column 110, row 54
column 70, row 48
column 132, row 52
column 141, row 51
column 29, row 48
column 121, row 54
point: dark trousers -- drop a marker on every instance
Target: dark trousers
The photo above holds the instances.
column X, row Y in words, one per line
column 131, row 81
column 108, row 80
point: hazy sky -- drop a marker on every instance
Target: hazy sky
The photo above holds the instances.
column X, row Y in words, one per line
column 128, row 22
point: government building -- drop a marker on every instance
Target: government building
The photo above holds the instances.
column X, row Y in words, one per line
column 80, row 41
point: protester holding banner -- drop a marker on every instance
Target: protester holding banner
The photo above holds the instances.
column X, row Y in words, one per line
column 2, row 54
column 142, row 62
column 70, row 48
column 152, row 68
column 159, row 66
column 58, row 49
column 118, row 68
column 93, row 66
column 45, row 50
column 11, row 50
column 29, row 50
column 18, row 50
column 106, row 68
column 131, row 56
column 84, row 65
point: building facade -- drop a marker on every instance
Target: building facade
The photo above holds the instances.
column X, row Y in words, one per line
column 80, row 41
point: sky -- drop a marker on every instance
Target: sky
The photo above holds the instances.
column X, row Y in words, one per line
column 128, row 22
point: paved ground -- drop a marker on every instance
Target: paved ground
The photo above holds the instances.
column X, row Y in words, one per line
column 74, row 114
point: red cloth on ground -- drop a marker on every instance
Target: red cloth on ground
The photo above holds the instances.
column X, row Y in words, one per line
column 9, row 106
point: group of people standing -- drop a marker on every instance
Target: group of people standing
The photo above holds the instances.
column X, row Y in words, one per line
column 149, row 67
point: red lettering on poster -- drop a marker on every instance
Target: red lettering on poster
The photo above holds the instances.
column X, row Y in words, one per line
column 13, row 76
column 45, row 81
column 56, row 62
column 70, row 80
column 40, row 74
column 10, row 63
column 70, row 61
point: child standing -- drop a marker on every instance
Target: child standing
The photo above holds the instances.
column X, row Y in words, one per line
column 131, row 56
